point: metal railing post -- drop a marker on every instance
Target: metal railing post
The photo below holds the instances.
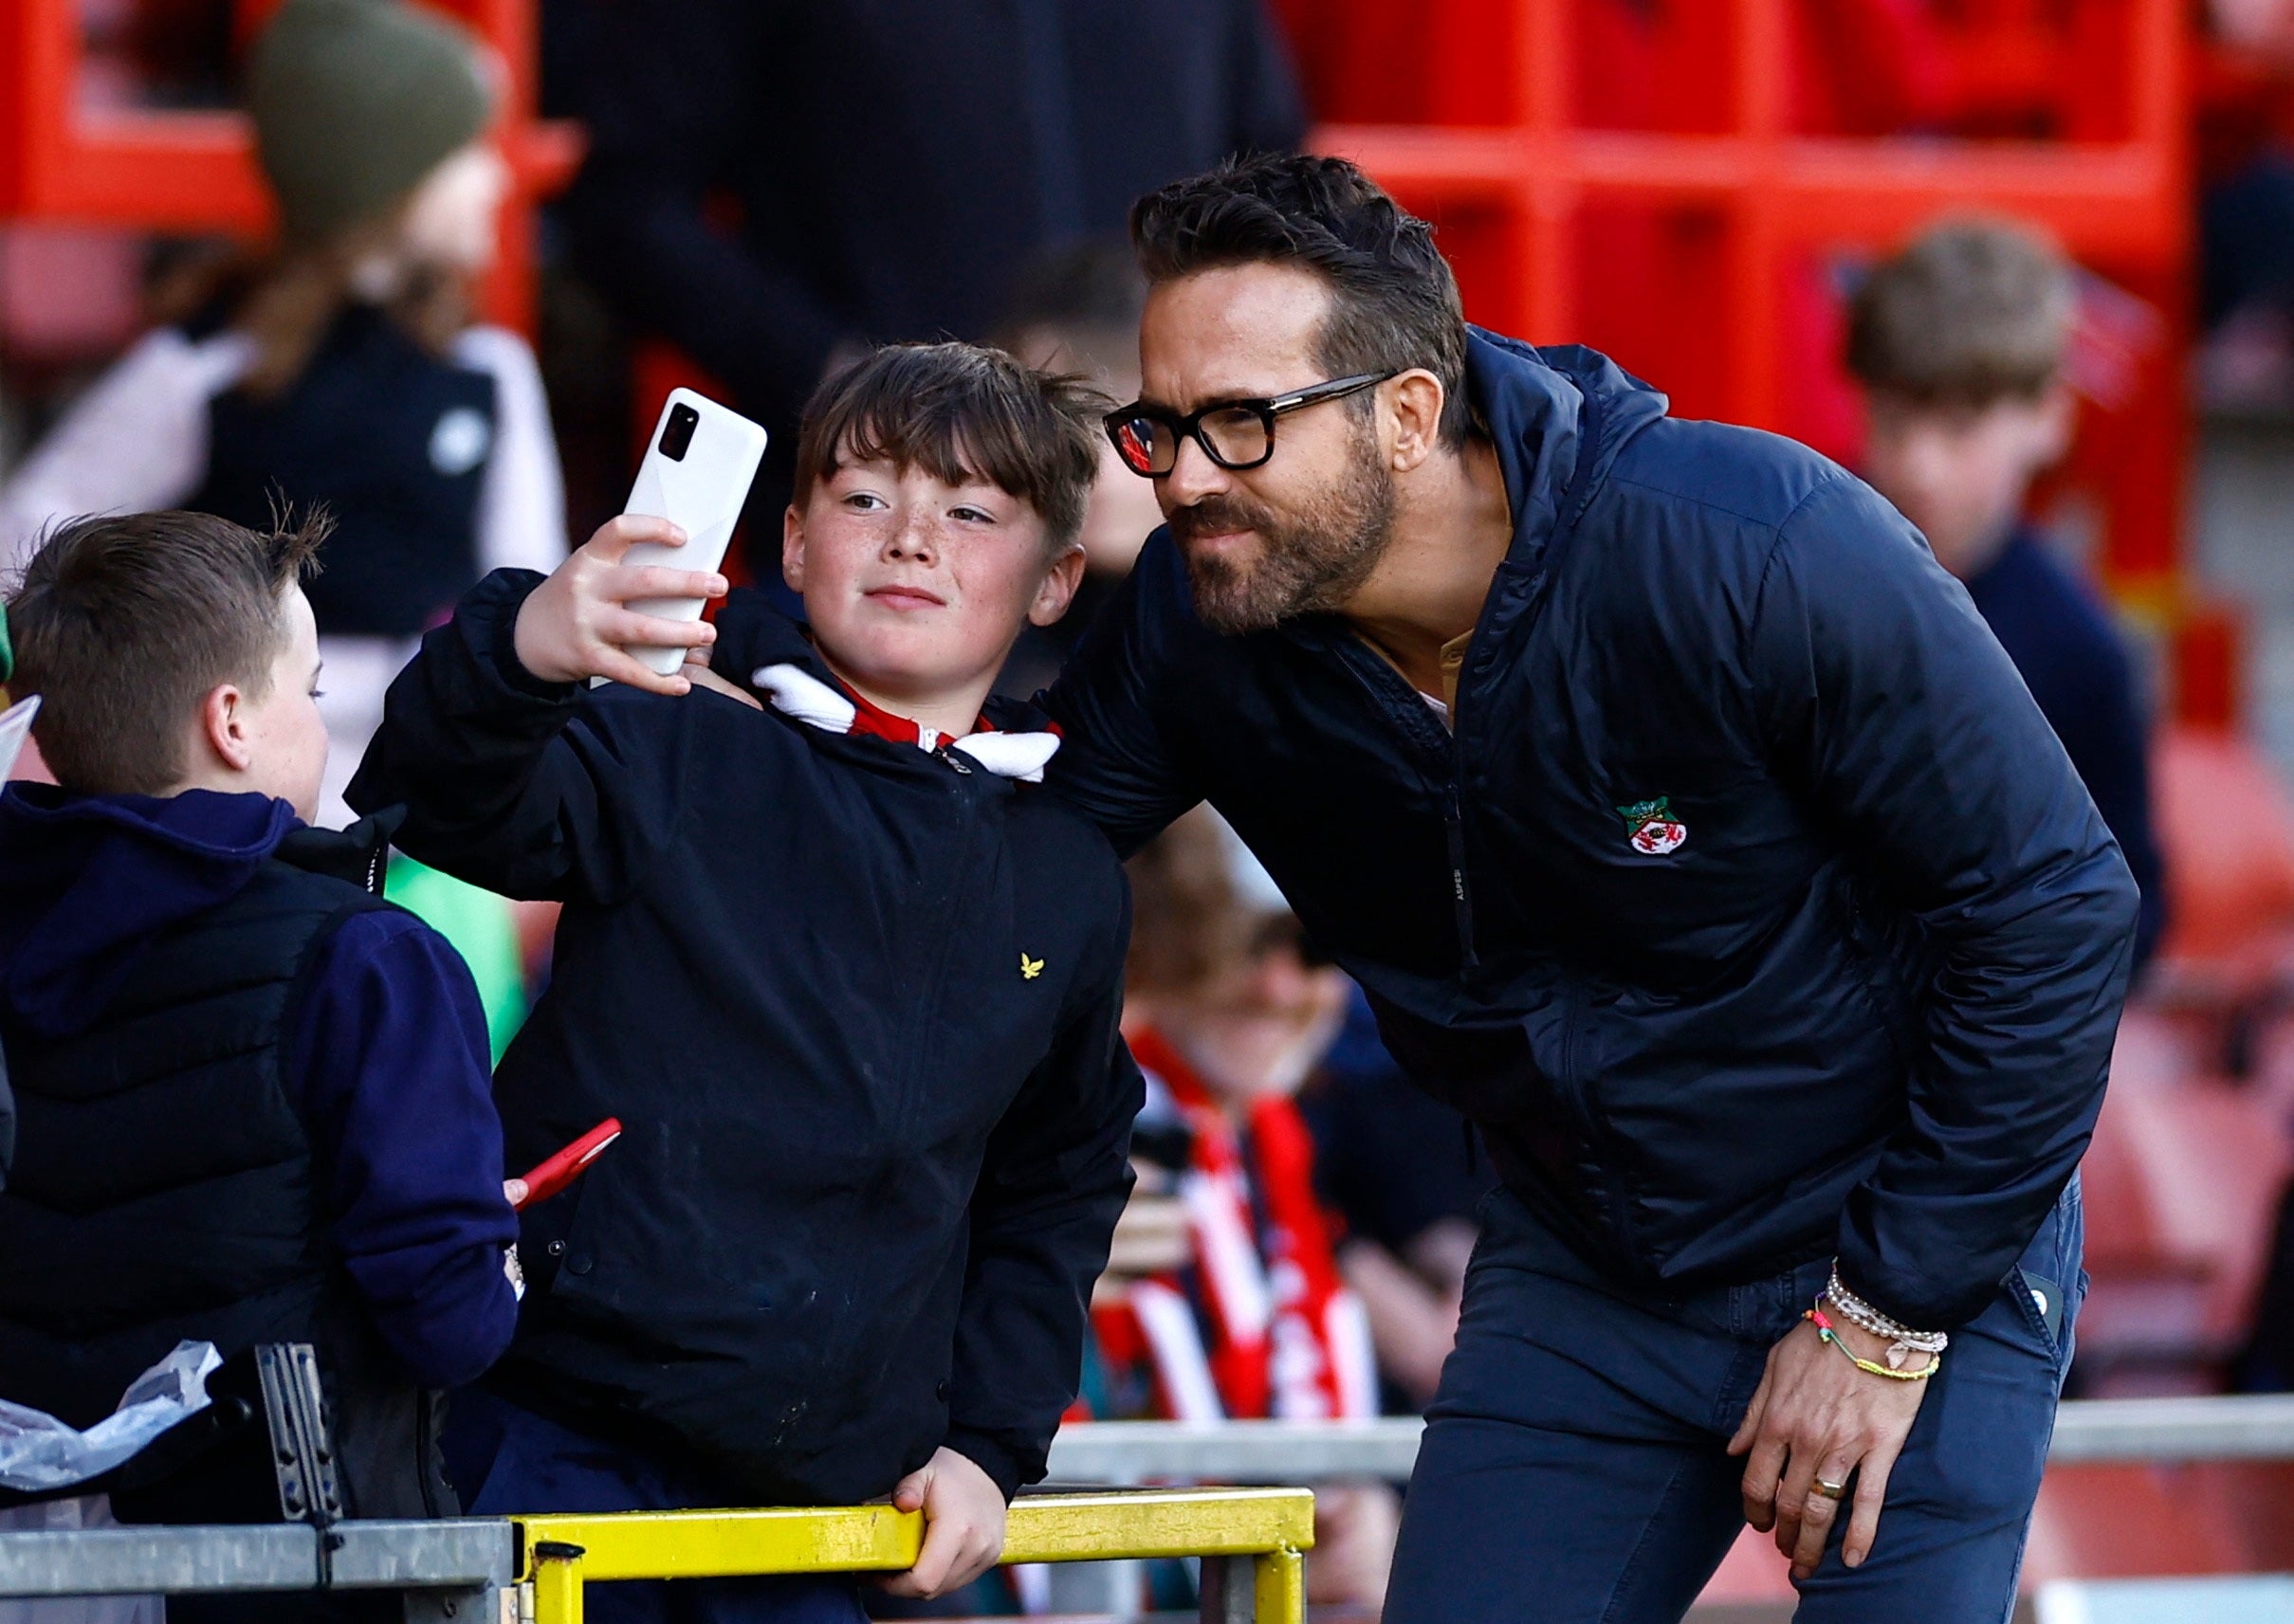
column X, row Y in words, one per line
column 557, row 1583
column 1281, row 1588
column 1229, row 1590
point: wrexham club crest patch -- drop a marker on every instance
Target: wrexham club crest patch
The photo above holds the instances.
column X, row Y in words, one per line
column 1652, row 829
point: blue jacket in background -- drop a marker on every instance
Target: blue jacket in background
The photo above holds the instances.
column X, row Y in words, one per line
column 2070, row 657
column 1752, row 911
column 388, row 1046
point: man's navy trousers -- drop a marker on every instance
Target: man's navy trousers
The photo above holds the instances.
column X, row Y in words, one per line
column 1574, row 1466
column 506, row 1461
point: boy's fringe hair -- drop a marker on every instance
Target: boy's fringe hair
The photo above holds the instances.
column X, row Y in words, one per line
column 1972, row 313
column 122, row 624
column 962, row 412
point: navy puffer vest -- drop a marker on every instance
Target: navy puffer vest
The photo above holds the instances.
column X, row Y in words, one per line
column 165, row 1189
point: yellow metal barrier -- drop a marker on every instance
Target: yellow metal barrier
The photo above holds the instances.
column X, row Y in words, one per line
column 1266, row 1527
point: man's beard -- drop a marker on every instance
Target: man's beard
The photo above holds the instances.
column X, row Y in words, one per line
column 1309, row 562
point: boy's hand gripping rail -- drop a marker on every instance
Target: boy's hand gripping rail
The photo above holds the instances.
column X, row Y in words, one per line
column 1251, row 1541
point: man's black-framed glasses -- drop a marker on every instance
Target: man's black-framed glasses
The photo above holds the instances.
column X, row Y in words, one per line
column 1236, row 434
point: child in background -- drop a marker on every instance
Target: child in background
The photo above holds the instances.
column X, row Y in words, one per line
column 848, row 974
column 1959, row 343
column 344, row 369
column 1077, row 311
column 252, row 1096
column 1227, row 1015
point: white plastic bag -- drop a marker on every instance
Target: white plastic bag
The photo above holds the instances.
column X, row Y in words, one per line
column 39, row 1452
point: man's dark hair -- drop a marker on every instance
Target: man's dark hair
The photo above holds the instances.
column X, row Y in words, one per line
column 1394, row 303
column 1973, row 312
column 122, row 625
column 962, row 412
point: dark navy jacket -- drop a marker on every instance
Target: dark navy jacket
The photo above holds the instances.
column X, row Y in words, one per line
column 857, row 1007
column 1865, row 1007
column 387, row 1053
column 2062, row 642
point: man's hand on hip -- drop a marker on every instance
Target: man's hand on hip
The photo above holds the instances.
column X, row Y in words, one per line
column 1817, row 1418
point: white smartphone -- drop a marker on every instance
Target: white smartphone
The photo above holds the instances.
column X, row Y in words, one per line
column 696, row 475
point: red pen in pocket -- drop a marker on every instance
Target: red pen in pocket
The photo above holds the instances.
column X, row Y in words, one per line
column 568, row 1164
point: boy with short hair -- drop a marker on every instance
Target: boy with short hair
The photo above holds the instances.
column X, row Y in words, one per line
column 849, row 977
column 1960, row 342
column 252, row 1094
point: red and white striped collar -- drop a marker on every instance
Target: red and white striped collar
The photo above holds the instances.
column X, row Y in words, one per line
column 796, row 692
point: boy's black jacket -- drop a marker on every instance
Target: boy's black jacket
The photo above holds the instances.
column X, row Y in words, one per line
column 870, row 1164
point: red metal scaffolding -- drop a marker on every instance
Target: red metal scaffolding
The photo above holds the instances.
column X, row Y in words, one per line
column 1663, row 180
column 64, row 160
column 1670, row 180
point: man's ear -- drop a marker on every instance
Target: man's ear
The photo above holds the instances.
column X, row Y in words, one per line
column 1058, row 589
column 1414, row 400
column 792, row 548
column 223, row 727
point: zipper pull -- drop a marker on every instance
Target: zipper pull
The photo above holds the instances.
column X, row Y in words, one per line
column 1462, row 904
column 951, row 758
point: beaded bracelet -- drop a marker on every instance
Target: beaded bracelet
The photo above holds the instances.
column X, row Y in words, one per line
column 1823, row 1322
column 1902, row 1341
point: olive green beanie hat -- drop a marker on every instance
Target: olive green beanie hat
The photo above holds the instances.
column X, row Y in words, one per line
column 355, row 102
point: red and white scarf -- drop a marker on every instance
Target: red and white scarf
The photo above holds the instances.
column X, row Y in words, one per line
column 796, row 692
column 1273, row 1330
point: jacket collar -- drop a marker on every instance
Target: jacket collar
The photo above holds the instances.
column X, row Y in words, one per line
column 796, row 692
column 1558, row 417
column 357, row 853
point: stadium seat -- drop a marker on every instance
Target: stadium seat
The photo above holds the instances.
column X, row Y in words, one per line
column 2104, row 1522
column 2225, row 823
column 2181, row 1184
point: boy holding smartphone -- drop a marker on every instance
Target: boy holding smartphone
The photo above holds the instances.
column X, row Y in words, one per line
column 847, row 976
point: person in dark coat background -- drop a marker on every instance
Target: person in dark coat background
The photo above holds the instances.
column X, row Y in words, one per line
column 1960, row 342
column 768, row 184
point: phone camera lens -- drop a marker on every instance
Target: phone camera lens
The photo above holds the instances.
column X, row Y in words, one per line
column 677, row 434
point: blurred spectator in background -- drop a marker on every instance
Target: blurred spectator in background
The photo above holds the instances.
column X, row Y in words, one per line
column 344, row 370
column 1076, row 310
column 1403, row 1172
column 2246, row 207
column 1958, row 342
column 1226, row 1013
column 768, row 184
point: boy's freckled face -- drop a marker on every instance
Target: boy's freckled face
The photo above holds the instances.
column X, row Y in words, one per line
column 915, row 586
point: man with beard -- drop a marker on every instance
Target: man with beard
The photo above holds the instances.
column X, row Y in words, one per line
column 1693, row 836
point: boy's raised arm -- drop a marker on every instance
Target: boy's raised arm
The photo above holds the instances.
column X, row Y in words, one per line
column 513, row 776
column 1055, row 1178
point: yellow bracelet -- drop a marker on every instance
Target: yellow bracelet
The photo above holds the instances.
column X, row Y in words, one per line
column 1824, row 1330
